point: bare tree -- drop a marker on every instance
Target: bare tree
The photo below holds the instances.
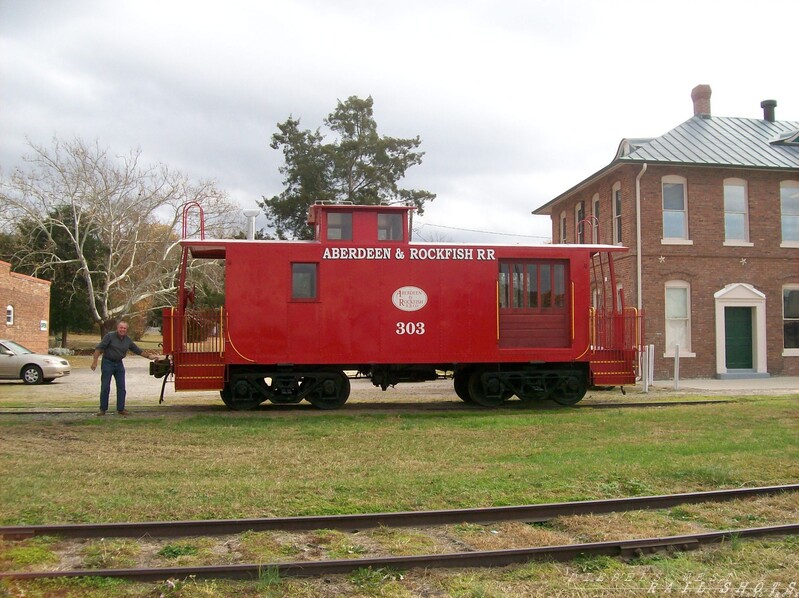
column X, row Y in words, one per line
column 80, row 194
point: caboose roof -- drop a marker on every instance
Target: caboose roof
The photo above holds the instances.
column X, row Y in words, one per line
column 217, row 248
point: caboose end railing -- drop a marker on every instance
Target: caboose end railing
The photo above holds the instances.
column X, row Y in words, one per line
column 196, row 340
column 616, row 345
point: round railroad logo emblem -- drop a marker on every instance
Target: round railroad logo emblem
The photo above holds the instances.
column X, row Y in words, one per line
column 409, row 298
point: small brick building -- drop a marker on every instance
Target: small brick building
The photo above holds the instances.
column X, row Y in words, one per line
column 710, row 212
column 27, row 304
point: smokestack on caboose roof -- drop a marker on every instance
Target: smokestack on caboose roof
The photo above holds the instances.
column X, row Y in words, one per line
column 701, row 97
column 768, row 109
column 251, row 215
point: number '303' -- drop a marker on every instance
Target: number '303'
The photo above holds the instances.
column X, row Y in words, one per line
column 410, row 328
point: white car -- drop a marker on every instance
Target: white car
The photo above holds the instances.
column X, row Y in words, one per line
column 19, row 363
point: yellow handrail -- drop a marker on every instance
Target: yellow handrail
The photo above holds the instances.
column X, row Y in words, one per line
column 221, row 332
column 497, row 286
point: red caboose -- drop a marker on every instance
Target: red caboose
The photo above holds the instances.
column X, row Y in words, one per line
column 503, row 320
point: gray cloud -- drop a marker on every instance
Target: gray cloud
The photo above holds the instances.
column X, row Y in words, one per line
column 514, row 101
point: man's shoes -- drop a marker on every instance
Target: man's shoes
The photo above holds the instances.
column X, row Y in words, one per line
column 123, row 412
column 101, row 412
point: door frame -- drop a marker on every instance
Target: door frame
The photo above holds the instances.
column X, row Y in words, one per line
column 742, row 295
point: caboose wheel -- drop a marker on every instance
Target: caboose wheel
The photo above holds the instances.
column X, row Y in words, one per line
column 227, row 396
column 461, row 383
column 331, row 391
column 571, row 389
column 237, row 394
column 487, row 390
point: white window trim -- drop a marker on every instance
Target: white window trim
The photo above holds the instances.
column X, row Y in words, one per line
column 683, row 354
column 9, row 315
column 791, row 185
column 745, row 242
column 789, row 352
column 679, row 284
column 686, row 240
column 614, row 216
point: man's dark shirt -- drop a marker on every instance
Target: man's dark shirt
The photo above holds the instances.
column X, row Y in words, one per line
column 115, row 347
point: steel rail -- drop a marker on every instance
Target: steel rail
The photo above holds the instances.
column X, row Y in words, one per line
column 407, row 408
column 651, row 404
column 527, row 513
column 492, row 558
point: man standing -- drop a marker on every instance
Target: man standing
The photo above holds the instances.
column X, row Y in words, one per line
column 113, row 348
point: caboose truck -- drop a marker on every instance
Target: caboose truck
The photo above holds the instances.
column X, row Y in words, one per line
column 534, row 322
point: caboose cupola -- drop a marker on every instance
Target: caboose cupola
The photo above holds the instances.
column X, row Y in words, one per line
column 348, row 223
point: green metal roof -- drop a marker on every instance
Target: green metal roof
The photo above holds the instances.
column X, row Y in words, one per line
column 708, row 141
column 721, row 141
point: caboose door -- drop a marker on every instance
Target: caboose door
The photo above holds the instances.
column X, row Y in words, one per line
column 533, row 303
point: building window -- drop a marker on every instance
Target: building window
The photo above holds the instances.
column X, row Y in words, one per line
column 678, row 317
column 595, row 219
column 9, row 315
column 675, row 208
column 579, row 217
column 339, row 226
column 736, row 211
column 789, row 209
column 563, row 230
column 790, row 319
column 303, row 281
column 616, row 196
column 389, row 227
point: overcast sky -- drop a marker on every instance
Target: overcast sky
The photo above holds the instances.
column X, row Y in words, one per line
column 515, row 101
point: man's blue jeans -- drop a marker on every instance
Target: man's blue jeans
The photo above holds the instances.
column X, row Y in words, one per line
column 116, row 369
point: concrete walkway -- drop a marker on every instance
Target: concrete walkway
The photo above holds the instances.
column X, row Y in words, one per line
column 775, row 383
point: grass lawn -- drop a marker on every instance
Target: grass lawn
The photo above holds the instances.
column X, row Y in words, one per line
column 253, row 465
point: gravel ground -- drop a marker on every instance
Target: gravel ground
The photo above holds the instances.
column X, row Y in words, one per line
column 80, row 390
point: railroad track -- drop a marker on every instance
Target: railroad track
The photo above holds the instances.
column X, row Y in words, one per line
column 493, row 558
column 378, row 406
column 489, row 558
column 528, row 513
column 651, row 404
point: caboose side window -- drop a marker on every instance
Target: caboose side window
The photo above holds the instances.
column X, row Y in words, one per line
column 504, row 285
column 533, row 306
column 517, row 284
column 536, row 286
column 303, row 281
column 389, row 227
column 546, row 286
column 339, row 226
column 532, row 285
column 559, row 280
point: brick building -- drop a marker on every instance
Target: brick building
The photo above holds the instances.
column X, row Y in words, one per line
column 27, row 304
column 710, row 212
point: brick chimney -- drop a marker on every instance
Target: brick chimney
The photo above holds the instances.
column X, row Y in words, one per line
column 701, row 97
column 768, row 109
